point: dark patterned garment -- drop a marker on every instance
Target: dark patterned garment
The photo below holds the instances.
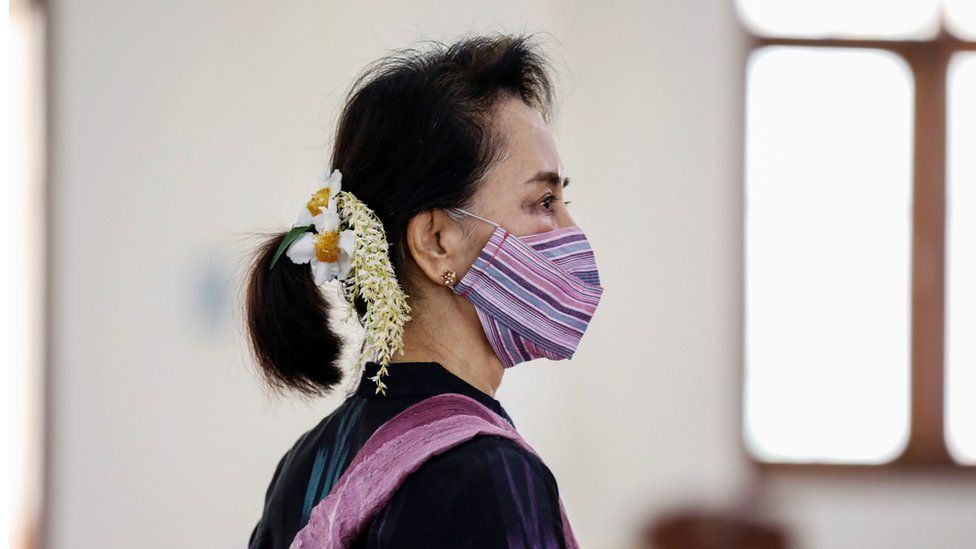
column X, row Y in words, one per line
column 486, row 492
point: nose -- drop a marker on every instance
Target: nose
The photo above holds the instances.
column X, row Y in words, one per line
column 564, row 219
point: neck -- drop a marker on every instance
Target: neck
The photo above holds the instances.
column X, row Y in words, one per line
column 449, row 337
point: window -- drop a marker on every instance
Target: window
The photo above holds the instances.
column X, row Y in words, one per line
column 899, row 20
column 22, row 271
column 961, row 248
column 828, row 230
column 860, row 235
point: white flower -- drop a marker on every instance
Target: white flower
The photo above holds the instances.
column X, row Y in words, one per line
column 329, row 250
column 323, row 197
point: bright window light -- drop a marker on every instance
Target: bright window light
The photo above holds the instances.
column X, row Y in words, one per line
column 886, row 19
column 961, row 261
column 828, row 240
column 960, row 18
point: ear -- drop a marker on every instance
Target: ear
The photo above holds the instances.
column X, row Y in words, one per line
column 436, row 243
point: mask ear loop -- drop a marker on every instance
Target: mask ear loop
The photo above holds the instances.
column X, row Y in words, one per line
column 455, row 213
column 474, row 215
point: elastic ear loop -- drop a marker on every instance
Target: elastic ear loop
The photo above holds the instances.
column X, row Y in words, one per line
column 477, row 216
column 507, row 233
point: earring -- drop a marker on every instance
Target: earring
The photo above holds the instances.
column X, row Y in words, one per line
column 449, row 277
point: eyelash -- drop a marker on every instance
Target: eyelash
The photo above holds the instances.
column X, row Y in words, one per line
column 548, row 200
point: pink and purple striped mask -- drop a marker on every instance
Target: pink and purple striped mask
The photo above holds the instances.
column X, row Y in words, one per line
column 534, row 294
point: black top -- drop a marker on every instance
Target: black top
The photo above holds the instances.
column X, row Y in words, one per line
column 486, row 492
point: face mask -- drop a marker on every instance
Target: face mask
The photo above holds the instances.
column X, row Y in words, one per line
column 534, row 294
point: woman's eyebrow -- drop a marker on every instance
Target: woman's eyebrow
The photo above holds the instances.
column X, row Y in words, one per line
column 552, row 178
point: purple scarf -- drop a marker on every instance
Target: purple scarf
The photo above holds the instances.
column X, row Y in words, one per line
column 397, row 449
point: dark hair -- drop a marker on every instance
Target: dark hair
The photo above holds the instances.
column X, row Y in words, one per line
column 416, row 133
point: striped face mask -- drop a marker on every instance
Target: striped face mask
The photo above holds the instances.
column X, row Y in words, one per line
column 534, row 294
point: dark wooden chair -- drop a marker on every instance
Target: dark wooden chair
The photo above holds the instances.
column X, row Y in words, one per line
column 697, row 529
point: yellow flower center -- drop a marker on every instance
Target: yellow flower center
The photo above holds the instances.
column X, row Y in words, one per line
column 319, row 200
column 327, row 247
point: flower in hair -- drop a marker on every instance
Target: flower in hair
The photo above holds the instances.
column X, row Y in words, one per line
column 358, row 256
column 374, row 280
column 328, row 248
column 324, row 196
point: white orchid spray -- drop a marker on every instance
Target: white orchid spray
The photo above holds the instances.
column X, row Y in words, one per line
column 358, row 256
column 373, row 279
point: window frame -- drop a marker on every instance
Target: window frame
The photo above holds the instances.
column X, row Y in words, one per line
column 928, row 60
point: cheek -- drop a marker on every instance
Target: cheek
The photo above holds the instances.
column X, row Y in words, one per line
column 476, row 243
column 530, row 220
column 539, row 219
column 532, row 216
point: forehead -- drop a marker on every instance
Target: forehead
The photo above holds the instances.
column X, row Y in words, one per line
column 528, row 143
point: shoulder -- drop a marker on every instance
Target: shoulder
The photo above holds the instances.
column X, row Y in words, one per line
column 483, row 459
column 488, row 491
column 495, row 458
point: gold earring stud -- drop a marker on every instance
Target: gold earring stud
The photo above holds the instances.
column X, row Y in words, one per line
column 449, row 277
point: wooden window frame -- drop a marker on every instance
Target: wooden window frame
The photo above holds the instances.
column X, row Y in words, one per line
column 928, row 60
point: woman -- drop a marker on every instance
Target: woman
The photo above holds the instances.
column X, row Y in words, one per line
column 450, row 149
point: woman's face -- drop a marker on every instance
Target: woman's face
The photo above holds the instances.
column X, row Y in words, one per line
column 524, row 190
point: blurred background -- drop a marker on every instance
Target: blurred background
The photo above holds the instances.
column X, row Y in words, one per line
column 781, row 195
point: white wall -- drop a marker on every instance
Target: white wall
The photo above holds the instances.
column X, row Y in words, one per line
column 181, row 126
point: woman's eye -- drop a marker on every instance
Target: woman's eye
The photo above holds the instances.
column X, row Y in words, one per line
column 547, row 202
